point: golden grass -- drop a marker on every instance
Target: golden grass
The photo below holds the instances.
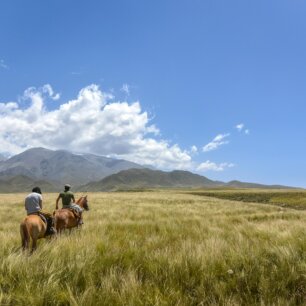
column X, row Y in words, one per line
column 293, row 198
column 158, row 248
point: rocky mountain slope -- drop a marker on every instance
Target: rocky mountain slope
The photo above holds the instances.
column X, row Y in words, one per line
column 61, row 166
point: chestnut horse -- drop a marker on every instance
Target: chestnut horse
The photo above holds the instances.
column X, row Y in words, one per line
column 65, row 219
column 32, row 227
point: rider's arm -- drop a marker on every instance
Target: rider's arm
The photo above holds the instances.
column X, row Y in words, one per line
column 56, row 206
column 73, row 199
column 40, row 203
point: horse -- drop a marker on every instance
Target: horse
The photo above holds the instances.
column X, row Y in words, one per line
column 65, row 218
column 32, row 227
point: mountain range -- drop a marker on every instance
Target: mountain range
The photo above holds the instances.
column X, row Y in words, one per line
column 148, row 178
column 60, row 167
column 51, row 169
column 133, row 179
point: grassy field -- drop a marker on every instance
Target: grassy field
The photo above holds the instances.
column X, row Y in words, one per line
column 291, row 198
column 159, row 248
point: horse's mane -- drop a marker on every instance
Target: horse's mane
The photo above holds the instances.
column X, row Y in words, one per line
column 81, row 198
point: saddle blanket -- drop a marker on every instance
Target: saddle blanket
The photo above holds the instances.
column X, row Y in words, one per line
column 75, row 207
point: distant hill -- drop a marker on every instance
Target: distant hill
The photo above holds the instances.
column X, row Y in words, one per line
column 147, row 178
column 61, row 166
column 238, row 184
column 21, row 183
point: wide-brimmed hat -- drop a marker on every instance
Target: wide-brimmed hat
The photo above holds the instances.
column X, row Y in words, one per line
column 67, row 186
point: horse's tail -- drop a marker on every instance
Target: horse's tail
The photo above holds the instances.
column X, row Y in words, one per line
column 25, row 235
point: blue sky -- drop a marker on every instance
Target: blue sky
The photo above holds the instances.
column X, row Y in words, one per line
column 189, row 72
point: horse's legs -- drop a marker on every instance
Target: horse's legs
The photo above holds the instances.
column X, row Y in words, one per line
column 25, row 244
column 34, row 244
column 58, row 232
column 35, row 236
column 25, row 239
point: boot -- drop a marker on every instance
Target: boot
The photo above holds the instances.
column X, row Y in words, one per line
column 80, row 222
column 50, row 227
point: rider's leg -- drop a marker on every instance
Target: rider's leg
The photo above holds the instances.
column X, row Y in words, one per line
column 80, row 219
column 50, row 222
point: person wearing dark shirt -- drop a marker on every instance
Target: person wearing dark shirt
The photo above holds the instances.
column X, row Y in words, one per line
column 68, row 201
column 67, row 197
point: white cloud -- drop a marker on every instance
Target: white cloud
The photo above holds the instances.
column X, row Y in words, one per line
column 3, row 64
column 89, row 123
column 93, row 123
column 126, row 89
column 38, row 95
column 194, row 149
column 239, row 127
column 211, row 166
column 218, row 141
column 48, row 89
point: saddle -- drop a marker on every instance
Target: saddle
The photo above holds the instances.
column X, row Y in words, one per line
column 76, row 214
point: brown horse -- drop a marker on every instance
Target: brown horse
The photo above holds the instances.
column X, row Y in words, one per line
column 32, row 227
column 65, row 218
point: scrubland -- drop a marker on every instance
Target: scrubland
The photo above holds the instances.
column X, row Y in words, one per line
column 158, row 248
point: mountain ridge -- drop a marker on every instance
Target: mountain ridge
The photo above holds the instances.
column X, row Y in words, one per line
column 62, row 166
column 51, row 169
column 133, row 179
column 147, row 178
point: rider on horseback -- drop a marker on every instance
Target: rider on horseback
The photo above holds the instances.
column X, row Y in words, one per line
column 33, row 206
column 68, row 202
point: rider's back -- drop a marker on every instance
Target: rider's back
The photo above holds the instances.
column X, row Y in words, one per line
column 32, row 202
column 66, row 197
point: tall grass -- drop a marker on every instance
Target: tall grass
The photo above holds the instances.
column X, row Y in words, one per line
column 292, row 198
column 158, row 248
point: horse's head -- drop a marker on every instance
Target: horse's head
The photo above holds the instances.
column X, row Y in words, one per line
column 83, row 202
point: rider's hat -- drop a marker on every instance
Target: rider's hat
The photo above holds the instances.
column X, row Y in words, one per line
column 67, row 186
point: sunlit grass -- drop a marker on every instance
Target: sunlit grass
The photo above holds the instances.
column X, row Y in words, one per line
column 158, row 248
column 292, row 198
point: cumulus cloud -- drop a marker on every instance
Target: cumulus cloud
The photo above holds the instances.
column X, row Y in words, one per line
column 218, row 141
column 49, row 90
column 88, row 123
column 211, row 166
column 38, row 95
